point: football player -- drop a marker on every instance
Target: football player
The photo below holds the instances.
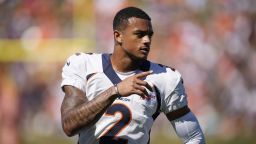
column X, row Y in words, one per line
column 115, row 98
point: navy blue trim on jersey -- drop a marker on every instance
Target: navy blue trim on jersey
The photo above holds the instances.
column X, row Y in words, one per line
column 145, row 66
column 89, row 76
column 149, row 136
column 108, row 69
column 110, row 72
column 158, row 98
column 178, row 113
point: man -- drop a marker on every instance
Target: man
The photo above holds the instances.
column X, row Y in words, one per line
column 115, row 98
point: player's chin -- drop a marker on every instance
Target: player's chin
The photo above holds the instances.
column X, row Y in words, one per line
column 143, row 55
column 140, row 56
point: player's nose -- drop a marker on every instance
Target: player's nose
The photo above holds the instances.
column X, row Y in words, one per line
column 146, row 39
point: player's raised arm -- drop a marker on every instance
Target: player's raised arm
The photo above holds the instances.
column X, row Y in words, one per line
column 77, row 112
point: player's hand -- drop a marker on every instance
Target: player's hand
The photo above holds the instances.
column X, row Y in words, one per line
column 134, row 85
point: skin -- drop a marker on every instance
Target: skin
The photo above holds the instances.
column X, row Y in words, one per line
column 132, row 45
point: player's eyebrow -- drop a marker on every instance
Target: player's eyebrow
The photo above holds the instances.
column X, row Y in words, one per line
column 149, row 32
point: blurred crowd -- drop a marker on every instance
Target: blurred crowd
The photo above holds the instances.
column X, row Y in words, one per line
column 211, row 42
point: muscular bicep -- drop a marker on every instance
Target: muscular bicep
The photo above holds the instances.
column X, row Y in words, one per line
column 73, row 98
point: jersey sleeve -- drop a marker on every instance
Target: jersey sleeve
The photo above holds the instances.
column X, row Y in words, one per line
column 74, row 71
column 188, row 129
column 174, row 96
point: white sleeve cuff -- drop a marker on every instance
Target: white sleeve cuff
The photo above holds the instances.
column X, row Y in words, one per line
column 73, row 82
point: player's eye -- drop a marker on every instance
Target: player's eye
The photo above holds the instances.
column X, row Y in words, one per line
column 140, row 35
column 150, row 34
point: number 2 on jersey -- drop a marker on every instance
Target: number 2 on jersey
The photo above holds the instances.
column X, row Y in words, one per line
column 109, row 137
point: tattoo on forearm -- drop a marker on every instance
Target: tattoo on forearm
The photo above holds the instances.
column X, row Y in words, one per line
column 77, row 112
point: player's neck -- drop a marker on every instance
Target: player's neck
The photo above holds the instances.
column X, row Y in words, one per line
column 124, row 63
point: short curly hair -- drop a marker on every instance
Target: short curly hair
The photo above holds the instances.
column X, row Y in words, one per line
column 121, row 19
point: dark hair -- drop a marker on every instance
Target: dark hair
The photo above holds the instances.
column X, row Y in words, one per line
column 121, row 18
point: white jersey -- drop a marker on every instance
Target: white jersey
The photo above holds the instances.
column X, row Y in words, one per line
column 128, row 119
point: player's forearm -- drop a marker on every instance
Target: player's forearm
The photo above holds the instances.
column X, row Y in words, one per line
column 87, row 113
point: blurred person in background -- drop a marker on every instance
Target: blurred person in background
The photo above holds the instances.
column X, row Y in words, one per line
column 9, row 108
column 115, row 98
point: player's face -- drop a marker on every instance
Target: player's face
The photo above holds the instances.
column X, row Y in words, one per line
column 136, row 38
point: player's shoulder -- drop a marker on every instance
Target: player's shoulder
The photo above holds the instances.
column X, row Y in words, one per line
column 164, row 70
column 164, row 77
column 81, row 57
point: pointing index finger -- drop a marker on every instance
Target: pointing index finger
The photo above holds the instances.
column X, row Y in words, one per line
column 144, row 74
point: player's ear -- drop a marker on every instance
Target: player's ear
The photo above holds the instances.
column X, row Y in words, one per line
column 118, row 36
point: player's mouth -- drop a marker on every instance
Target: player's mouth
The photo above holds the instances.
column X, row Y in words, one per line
column 144, row 50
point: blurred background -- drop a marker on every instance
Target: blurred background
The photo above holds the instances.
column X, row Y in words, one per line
column 211, row 42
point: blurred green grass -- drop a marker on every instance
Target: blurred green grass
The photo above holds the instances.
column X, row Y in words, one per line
column 157, row 139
